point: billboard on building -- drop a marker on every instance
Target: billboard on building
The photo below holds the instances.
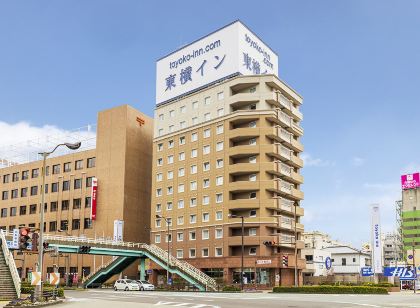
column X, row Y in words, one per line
column 118, row 230
column 229, row 51
column 94, row 198
column 410, row 181
column 376, row 241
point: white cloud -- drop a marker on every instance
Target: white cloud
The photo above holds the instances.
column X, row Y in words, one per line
column 310, row 161
column 20, row 142
column 357, row 161
column 388, row 187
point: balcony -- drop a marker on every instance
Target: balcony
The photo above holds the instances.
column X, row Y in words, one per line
column 248, row 240
column 296, row 129
column 244, row 186
column 280, row 118
column 296, row 161
column 286, row 206
column 243, row 168
column 243, row 204
column 243, row 150
column 297, row 194
column 296, row 145
column 243, row 133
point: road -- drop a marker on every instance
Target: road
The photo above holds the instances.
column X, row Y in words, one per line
column 109, row 298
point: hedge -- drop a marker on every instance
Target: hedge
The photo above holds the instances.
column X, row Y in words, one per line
column 27, row 288
column 332, row 290
column 231, row 289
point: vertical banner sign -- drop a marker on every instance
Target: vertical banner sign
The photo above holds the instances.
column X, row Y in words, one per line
column 94, row 198
column 118, row 230
column 376, row 241
column 15, row 239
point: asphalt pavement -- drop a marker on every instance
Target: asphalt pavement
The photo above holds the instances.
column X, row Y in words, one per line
column 107, row 298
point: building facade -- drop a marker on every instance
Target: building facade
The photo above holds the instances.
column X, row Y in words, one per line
column 314, row 253
column 392, row 252
column 121, row 163
column 231, row 150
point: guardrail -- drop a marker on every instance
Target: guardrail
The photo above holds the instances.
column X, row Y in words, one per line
column 10, row 262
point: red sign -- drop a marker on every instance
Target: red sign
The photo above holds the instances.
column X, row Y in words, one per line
column 94, row 198
column 410, row 181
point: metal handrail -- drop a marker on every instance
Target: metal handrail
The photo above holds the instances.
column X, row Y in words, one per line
column 98, row 269
column 10, row 261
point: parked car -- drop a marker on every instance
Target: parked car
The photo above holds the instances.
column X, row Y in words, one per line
column 145, row 285
column 126, row 285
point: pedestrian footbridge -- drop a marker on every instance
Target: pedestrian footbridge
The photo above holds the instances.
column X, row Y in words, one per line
column 127, row 253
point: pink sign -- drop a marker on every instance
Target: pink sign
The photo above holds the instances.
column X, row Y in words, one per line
column 410, row 181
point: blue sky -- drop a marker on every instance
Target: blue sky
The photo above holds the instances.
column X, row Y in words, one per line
column 356, row 63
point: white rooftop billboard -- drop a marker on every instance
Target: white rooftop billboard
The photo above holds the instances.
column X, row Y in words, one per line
column 229, row 51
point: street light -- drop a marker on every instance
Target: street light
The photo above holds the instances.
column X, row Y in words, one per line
column 167, row 260
column 71, row 146
column 242, row 247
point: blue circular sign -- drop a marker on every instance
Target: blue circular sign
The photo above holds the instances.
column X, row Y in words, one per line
column 328, row 263
column 410, row 257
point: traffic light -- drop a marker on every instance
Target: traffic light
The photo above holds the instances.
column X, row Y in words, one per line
column 269, row 243
column 285, row 261
column 24, row 238
column 84, row 249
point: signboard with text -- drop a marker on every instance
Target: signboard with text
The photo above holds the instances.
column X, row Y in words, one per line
column 94, row 198
column 410, row 181
column 404, row 273
column 366, row 271
column 376, row 241
column 231, row 50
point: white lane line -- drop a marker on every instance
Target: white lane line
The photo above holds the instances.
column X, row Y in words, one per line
column 358, row 304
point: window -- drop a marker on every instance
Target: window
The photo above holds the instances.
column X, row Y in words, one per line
column 15, row 193
column 75, row 224
column 15, row 177
column 172, row 113
column 193, row 219
column 22, row 210
column 169, row 206
column 46, row 188
column 207, row 116
column 193, row 202
column 179, row 253
column 89, row 181
column 343, row 261
column 219, row 146
column 160, row 161
column 170, row 175
column 219, row 215
column 181, row 156
column 206, row 133
column 53, row 226
column 160, row 147
column 205, row 252
column 195, row 105
column 219, row 129
column 34, row 190
column 206, row 183
column 159, row 192
column 220, row 112
column 158, row 207
column 252, row 195
column 253, row 141
column 65, row 205
column 253, row 159
column 181, row 140
column 54, row 206
column 219, row 163
column 193, row 153
column 354, row 260
column 3, row 213
column 219, row 180
column 253, row 213
column 24, row 192
column 206, row 166
column 252, row 177
column 13, row 211
column 219, row 198
column 54, row 187
column 35, row 173
column 67, row 167
column 194, row 137
column 160, row 132
column 32, row 209
column 64, row 225
column 194, row 120
column 78, row 164
column 218, row 251
column 193, row 169
column 159, row 177
column 182, row 124
column 157, row 238
column 87, row 223
column 181, row 188
column 252, row 251
column 181, row 172
column 207, row 100
column 193, row 185
column 6, row 178
column 206, row 149
column 77, row 183
column 66, row 185
column 169, row 190
column 206, row 217
column 180, row 236
column 91, row 162
column 170, row 144
column 88, row 202
column 192, row 252
column 77, row 203
column 192, row 236
column 171, row 128
column 220, row 96
column 252, row 231
column 158, row 223
column 183, row 109
column 206, row 200
column 252, row 124
column 180, row 220
column 170, row 159
column 56, row 169
column 25, row 175
column 205, row 234
column 161, row 117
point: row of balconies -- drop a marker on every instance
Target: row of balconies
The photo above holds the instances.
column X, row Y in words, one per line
column 274, row 204
column 277, row 186
column 258, row 240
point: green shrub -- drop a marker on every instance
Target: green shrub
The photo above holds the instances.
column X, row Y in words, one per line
column 231, row 289
column 26, row 288
column 332, row 290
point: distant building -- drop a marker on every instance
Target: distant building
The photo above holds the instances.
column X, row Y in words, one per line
column 314, row 254
column 392, row 253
